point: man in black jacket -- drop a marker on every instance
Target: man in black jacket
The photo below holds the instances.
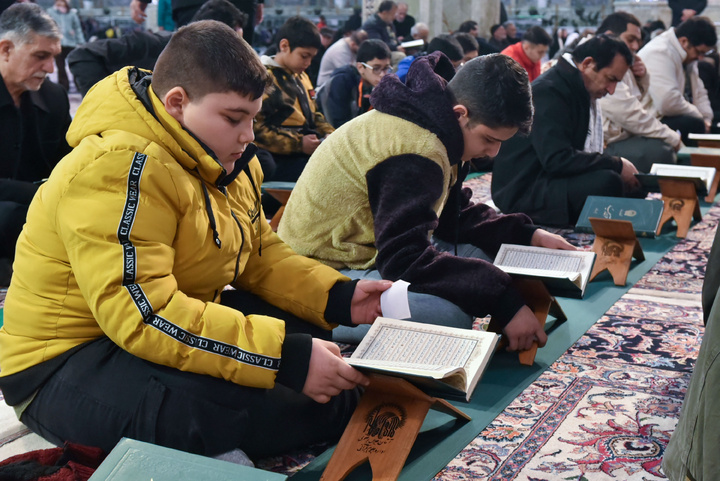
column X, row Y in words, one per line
column 381, row 25
column 684, row 9
column 549, row 173
column 93, row 61
column 34, row 117
column 183, row 12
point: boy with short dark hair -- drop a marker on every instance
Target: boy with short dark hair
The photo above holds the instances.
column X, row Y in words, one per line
column 347, row 93
column 393, row 207
column 117, row 322
column 289, row 125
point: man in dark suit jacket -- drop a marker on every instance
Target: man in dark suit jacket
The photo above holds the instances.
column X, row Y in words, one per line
column 403, row 22
column 381, row 25
column 684, row 9
column 550, row 173
column 34, row 116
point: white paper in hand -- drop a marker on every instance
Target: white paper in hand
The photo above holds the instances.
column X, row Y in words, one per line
column 394, row 301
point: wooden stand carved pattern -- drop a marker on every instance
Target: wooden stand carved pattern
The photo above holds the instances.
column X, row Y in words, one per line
column 681, row 204
column 383, row 429
column 615, row 245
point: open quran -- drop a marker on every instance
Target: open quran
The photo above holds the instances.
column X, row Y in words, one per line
column 564, row 273
column 702, row 177
column 442, row 361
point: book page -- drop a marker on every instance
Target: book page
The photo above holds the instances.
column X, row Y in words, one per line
column 705, row 173
column 455, row 356
column 424, row 346
column 544, row 262
column 551, row 261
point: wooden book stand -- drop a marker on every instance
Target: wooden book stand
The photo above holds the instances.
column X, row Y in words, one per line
column 708, row 160
column 615, row 246
column 539, row 300
column 282, row 196
column 681, row 204
column 383, row 428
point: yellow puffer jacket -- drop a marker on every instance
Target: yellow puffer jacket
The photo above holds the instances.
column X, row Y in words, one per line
column 120, row 242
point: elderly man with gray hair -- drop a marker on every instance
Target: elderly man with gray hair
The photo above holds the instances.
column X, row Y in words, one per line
column 34, row 117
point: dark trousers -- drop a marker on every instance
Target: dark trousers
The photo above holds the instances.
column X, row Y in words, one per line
column 598, row 182
column 15, row 197
column 686, row 124
column 643, row 152
column 103, row 393
column 289, row 167
column 61, row 71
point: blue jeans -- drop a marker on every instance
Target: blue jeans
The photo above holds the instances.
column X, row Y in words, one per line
column 424, row 308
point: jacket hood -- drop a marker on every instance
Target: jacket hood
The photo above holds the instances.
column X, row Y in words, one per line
column 425, row 100
column 125, row 102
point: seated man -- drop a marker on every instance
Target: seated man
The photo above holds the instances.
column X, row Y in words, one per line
column 403, row 22
column 670, row 58
column 511, row 30
column 34, row 117
column 469, row 45
column 631, row 125
column 393, row 207
column 420, row 31
column 530, row 51
column 93, row 61
column 347, row 94
column 498, row 37
column 471, row 27
column 549, row 173
column 341, row 53
column 289, row 125
column 381, row 26
column 116, row 322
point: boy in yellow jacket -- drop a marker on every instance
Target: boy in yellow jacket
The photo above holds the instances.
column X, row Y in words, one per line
column 114, row 321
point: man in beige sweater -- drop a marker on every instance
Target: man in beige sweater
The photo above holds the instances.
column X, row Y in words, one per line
column 631, row 124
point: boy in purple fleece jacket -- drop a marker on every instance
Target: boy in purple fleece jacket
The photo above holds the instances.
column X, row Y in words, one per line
column 383, row 196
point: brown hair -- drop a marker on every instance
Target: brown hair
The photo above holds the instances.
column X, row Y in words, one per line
column 209, row 57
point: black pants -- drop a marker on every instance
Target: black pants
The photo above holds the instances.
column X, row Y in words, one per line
column 15, row 197
column 289, row 167
column 598, row 182
column 102, row 393
column 60, row 63
column 686, row 124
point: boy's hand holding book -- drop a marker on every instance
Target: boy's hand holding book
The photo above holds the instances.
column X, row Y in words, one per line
column 328, row 373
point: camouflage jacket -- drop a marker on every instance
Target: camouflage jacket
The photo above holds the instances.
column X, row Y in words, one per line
column 281, row 124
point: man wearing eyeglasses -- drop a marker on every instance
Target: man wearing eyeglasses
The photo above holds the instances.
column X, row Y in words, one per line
column 631, row 124
column 347, row 93
column 670, row 59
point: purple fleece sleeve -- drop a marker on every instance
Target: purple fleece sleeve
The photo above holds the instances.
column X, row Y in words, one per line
column 402, row 191
column 465, row 222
